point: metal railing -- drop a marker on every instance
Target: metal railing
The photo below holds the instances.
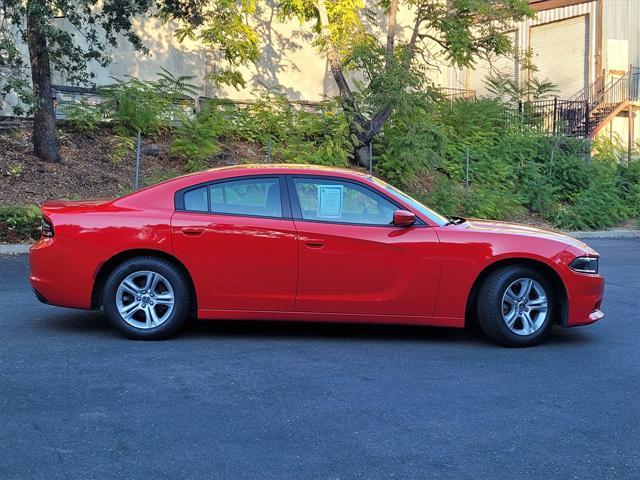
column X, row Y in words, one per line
column 453, row 94
column 581, row 114
column 634, row 84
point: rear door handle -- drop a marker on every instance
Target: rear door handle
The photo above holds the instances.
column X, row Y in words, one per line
column 192, row 231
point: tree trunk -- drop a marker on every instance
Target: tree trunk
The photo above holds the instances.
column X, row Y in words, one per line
column 45, row 142
column 361, row 154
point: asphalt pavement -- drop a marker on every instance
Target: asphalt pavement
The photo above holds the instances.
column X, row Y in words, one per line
column 252, row 400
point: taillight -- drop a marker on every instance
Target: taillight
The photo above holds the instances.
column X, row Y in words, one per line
column 47, row 227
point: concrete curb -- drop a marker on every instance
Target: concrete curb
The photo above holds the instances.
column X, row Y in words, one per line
column 606, row 234
column 14, row 249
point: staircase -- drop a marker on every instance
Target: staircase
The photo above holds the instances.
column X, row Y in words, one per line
column 587, row 112
column 604, row 101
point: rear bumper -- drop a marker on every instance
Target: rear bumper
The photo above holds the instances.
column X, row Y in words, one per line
column 585, row 294
column 63, row 270
column 40, row 297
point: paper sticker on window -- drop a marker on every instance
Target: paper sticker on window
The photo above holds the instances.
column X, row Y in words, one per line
column 330, row 201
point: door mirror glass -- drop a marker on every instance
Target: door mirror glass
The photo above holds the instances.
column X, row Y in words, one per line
column 403, row 218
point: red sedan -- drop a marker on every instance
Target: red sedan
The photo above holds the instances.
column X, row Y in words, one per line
column 307, row 243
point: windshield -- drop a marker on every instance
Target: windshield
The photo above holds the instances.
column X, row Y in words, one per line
column 434, row 216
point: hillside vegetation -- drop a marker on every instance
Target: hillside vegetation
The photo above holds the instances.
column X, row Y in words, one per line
column 515, row 172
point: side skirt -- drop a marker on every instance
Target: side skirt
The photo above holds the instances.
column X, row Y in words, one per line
column 205, row 314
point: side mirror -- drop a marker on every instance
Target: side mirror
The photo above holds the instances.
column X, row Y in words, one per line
column 403, row 218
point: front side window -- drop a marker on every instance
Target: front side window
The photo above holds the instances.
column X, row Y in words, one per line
column 336, row 201
column 255, row 196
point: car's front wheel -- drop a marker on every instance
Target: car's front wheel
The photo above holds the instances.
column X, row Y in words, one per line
column 146, row 298
column 516, row 306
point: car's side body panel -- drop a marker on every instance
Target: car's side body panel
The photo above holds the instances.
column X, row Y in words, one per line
column 236, row 262
column 367, row 269
column 469, row 250
column 64, row 267
column 62, row 270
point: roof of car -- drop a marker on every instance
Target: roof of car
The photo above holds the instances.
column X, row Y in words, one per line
column 221, row 173
column 289, row 168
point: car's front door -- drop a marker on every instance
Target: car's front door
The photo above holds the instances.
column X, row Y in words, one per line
column 238, row 241
column 353, row 260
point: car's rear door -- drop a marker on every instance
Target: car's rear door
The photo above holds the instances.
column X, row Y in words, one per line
column 238, row 241
column 352, row 259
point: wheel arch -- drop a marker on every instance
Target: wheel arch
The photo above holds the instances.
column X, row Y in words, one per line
column 559, row 289
column 107, row 267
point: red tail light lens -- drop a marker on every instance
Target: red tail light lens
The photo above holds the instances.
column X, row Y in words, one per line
column 47, row 227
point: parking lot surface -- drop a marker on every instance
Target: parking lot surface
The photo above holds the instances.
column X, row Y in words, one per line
column 244, row 400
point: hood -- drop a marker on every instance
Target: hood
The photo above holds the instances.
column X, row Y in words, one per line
column 498, row 227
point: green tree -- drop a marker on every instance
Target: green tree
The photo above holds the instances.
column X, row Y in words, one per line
column 65, row 35
column 364, row 40
column 222, row 26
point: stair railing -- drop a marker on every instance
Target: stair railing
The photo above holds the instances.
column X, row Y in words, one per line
column 615, row 92
column 634, row 84
column 591, row 90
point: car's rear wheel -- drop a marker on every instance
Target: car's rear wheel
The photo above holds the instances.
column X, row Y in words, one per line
column 146, row 298
column 516, row 306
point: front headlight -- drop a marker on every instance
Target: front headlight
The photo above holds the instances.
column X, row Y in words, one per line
column 585, row 265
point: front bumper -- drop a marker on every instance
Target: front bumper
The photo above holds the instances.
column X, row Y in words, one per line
column 585, row 293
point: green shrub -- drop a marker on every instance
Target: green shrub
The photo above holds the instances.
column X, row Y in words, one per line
column 423, row 148
column 294, row 135
column 412, row 142
column 122, row 146
column 318, row 138
column 160, row 175
column 19, row 223
column 628, row 187
column 135, row 105
column 83, row 117
column 513, row 168
column 196, row 140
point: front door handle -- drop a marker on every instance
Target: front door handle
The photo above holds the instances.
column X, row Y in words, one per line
column 314, row 243
column 193, row 231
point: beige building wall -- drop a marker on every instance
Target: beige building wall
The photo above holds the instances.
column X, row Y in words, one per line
column 288, row 59
column 618, row 130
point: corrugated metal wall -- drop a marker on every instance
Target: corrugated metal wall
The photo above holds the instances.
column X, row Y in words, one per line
column 556, row 14
column 457, row 78
column 621, row 21
column 561, row 53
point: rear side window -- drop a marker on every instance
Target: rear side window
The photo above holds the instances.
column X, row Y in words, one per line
column 259, row 197
column 196, row 200
column 255, row 196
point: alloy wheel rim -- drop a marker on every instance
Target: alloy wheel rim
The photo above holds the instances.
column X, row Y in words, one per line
column 145, row 299
column 524, row 306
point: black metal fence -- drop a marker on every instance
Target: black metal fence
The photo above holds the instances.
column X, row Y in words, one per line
column 580, row 115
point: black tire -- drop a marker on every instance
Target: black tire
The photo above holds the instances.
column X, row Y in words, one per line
column 490, row 306
column 181, row 294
